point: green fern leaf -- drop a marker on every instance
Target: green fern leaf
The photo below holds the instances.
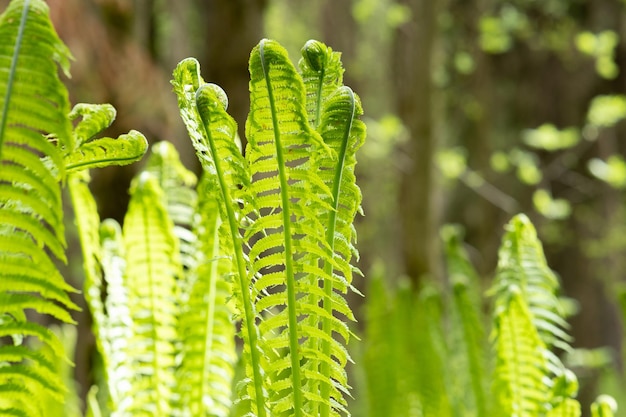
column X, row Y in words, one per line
column 207, row 333
column 344, row 133
column 101, row 152
column 33, row 127
column 521, row 262
column 466, row 357
column 152, row 267
column 212, row 132
column 564, row 389
column 283, row 154
column 181, row 200
column 604, row 406
column 521, row 364
column 322, row 74
column 113, row 319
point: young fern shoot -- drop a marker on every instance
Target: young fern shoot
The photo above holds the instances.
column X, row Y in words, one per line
column 287, row 212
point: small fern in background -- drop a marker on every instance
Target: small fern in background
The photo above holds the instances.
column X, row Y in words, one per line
column 525, row 377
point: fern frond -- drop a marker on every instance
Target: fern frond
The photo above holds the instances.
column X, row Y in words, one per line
column 94, row 153
column 287, row 239
column 466, row 342
column 604, row 406
column 33, row 116
column 181, row 199
column 322, row 74
column 152, row 267
column 564, row 389
column 209, row 353
column 101, row 246
column 113, row 321
column 212, row 132
column 521, row 262
column 207, row 333
column 344, row 133
column 521, row 365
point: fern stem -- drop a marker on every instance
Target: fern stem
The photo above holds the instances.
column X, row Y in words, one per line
column 291, row 291
column 241, row 269
column 16, row 53
column 328, row 267
column 318, row 104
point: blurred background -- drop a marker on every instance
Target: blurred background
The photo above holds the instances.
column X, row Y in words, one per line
column 476, row 110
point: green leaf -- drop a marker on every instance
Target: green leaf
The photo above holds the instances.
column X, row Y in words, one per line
column 212, row 132
column 604, row 406
column 613, row 171
column 286, row 235
column 33, row 128
column 520, row 361
column 606, row 111
column 152, row 267
column 550, row 138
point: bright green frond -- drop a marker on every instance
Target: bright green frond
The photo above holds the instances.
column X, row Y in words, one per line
column 96, row 153
column 521, row 365
column 521, row 262
column 152, row 267
column 466, row 343
column 604, row 406
column 104, row 152
column 181, row 199
column 206, row 331
column 33, row 127
column 322, row 74
column 32, row 96
column 212, row 132
column 287, row 237
column 113, row 321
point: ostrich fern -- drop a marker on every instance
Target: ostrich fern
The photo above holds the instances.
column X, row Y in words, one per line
column 267, row 239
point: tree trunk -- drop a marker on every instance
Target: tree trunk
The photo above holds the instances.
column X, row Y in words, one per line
column 412, row 69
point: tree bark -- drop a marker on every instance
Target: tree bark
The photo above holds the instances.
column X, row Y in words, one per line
column 412, row 72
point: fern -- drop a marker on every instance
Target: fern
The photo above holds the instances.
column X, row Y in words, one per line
column 283, row 153
column 322, row 74
column 466, row 333
column 604, row 406
column 206, row 331
column 34, row 129
column 276, row 204
column 152, row 267
column 521, row 262
column 212, row 132
column 521, row 363
column 530, row 321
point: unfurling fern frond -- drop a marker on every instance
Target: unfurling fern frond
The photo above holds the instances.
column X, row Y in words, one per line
column 344, row 133
column 33, row 129
column 322, row 74
column 89, row 152
column 278, row 208
column 152, row 268
column 212, row 132
column 102, row 247
column 604, row 406
column 287, row 239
